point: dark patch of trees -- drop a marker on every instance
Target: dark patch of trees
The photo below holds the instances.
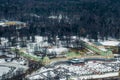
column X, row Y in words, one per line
column 79, row 17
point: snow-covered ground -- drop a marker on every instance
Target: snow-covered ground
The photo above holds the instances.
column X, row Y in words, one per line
column 11, row 68
column 3, row 70
column 58, row 50
column 2, row 61
column 14, row 63
column 2, row 24
column 102, row 48
column 38, row 39
column 110, row 43
column 1, row 53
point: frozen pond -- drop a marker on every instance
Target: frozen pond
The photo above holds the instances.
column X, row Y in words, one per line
column 3, row 70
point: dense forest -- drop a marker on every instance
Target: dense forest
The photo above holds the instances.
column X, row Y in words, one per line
column 86, row 18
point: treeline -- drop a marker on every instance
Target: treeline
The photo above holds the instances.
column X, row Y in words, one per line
column 91, row 18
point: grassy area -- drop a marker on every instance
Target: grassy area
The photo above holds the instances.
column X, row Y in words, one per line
column 72, row 54
column 100, row 52
column 29, row 56
column 32, row 57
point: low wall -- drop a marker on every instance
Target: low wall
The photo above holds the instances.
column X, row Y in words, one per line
column 106, row 75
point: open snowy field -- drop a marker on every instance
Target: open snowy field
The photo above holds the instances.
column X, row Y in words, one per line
column 110, row 43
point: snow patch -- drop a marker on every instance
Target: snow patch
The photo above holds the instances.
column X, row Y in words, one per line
column 3, row 70
column 110, row 43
